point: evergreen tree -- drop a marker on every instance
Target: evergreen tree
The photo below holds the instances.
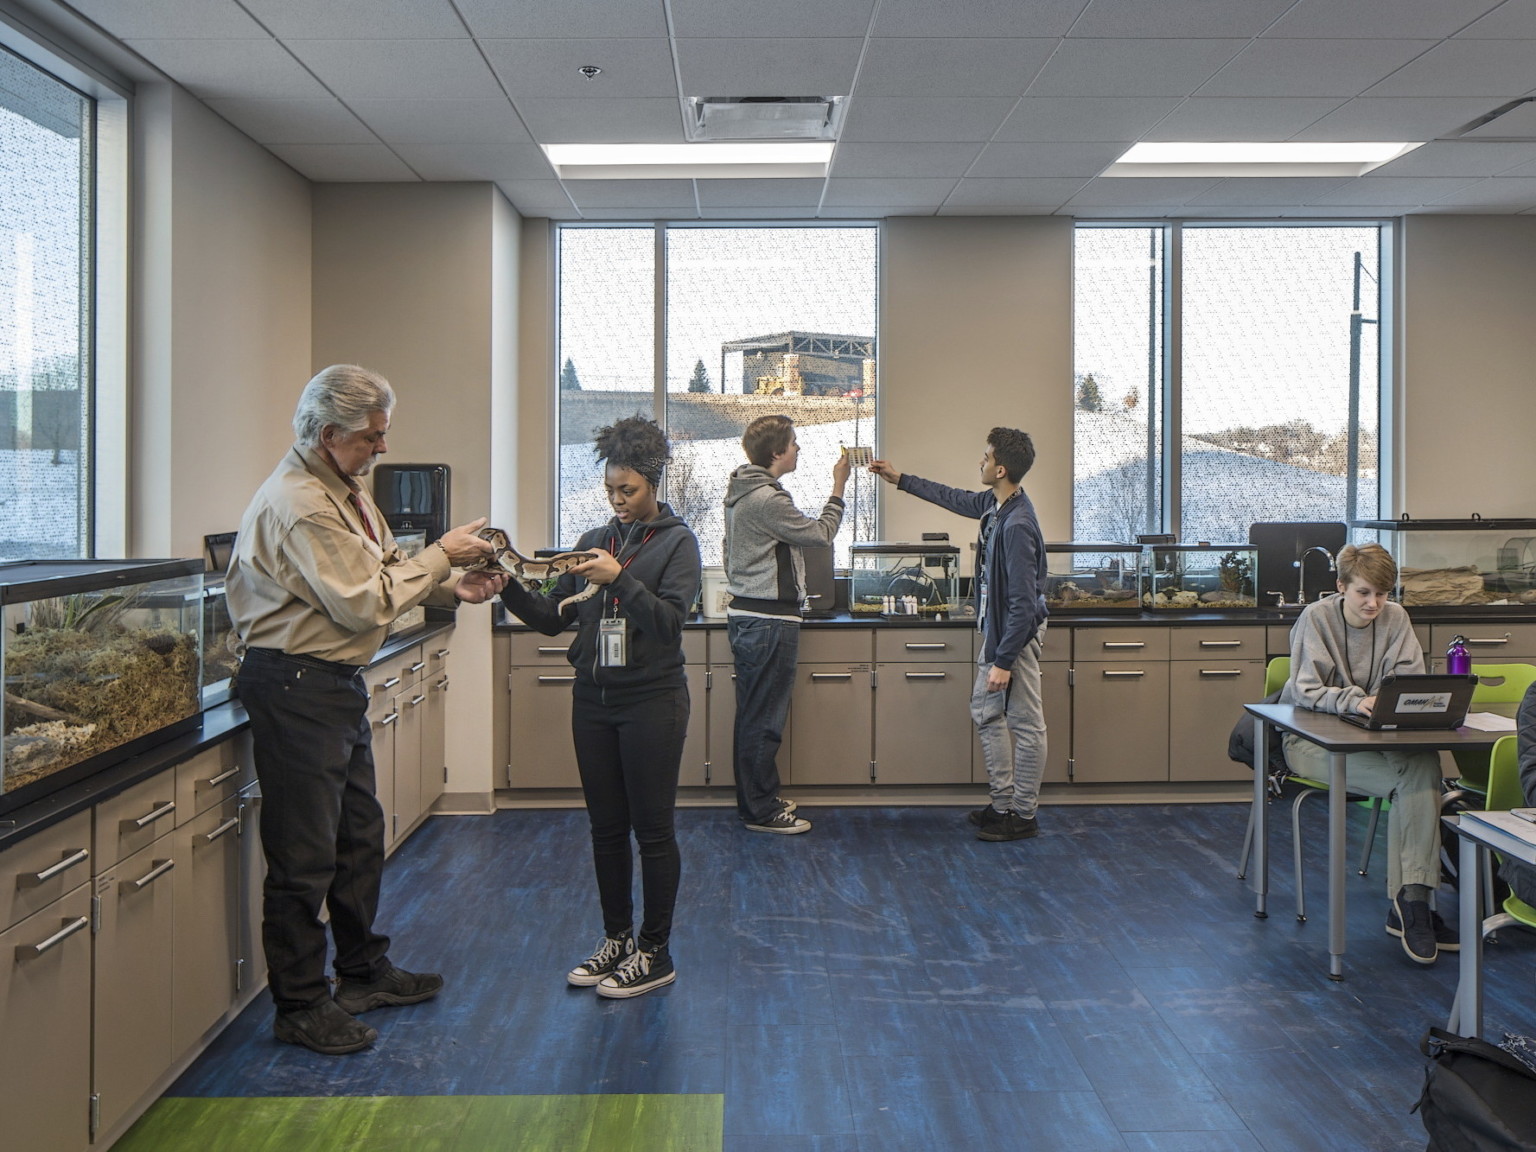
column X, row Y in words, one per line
column 699, row 381
column 1088, row 398
column 568, row 379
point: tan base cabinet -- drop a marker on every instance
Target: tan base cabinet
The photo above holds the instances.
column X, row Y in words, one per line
column 539, row 680
column 206, row 947
column 407, row 713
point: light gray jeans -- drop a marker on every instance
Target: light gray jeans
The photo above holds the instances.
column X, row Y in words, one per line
column 1411, row 780
column 1011, row 724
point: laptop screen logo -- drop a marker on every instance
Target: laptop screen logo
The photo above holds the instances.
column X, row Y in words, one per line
column 1424, row 702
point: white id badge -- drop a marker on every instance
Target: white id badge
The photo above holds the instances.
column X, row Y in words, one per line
column 613, row 643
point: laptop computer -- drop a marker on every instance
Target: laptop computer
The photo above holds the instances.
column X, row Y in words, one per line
column 1424, row 701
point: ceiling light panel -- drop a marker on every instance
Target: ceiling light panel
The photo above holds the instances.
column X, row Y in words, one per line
column 718, row 161
column 1203, row 158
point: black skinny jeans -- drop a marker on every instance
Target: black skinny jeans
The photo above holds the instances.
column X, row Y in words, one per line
column 629, row 756
column 321, row 825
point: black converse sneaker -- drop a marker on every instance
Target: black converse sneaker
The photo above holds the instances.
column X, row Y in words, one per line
column 609, row 954
column 642, row 970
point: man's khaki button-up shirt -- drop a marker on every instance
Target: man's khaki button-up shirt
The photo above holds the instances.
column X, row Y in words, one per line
column 306, row 579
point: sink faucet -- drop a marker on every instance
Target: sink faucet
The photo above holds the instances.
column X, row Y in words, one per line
column 1301, row 572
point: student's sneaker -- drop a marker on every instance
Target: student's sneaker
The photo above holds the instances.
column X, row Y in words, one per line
column 1416, row 928
column 1446, row 938
column 985, row 815
column 642, row 970
column 784, row 822
column 611, row 951
column 1011, row 826
column 395, row 987
column 788, row 805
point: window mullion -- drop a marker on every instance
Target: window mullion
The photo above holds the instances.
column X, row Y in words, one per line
column 659, row 321
column 1173, row 379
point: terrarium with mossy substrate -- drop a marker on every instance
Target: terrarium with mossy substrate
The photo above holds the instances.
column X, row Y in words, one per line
column 220, row 661
column 1198, row 577
column 101, row 660
column 1081, row 577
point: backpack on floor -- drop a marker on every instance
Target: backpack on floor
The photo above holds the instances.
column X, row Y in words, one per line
column 1477, row 1097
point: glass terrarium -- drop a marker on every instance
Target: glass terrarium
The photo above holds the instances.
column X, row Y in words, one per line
column 1092, row 577
column 1193, row 577
column 892, row 579
column 1460, row 563
column 409, row 543
column 220, row 663
column 101, row 659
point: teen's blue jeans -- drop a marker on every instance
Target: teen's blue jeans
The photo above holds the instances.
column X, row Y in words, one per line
column 765, row 652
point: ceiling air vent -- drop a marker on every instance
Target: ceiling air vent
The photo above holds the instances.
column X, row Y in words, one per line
column 763, row 117
column 1515, row 121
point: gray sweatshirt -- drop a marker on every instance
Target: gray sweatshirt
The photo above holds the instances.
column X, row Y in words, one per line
column 764, row 535
column 1334, row 666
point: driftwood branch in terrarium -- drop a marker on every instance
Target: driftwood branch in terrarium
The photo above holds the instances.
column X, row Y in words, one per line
column 33, row 708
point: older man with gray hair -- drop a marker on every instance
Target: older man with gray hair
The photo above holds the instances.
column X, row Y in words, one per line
column 313, row 585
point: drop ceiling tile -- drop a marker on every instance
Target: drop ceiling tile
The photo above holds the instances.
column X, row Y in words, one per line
column 911, row 119
column 640, row 214
column 171, row 19
column 231, row 68
column 1522, row 171
column 1400, row 118
column 648, row 121
column 865, row 159
column 1509, row 193
column 870, row 211
column 535, row 197
column 1460, row 158
column 1370, row 19
column 1178, row 17
column 953, row 209
column 1389, row 191
column 1512, row 20
column 1136, row 190
column 1497, row 69
column 759, row 193
column 998, row 192
column 568, row 18
column 761, row 212
column 549, row 68
column 1311, row 67
column 1195, row 211
column 951, row 66
column 344, row 163
column 1275, row 191
column 1119, row 212
column 771, row 18
column 1049, row 118
column 1466, row 210
column 358, row 19
column 977, row 18
column 649, row 194
column 477, row 161
column 1241, row 118
column 869, row 190
column 399, row 69
column 295, row 121
column 1042, row 160
column 822, row 67
column 443, row 121
column 1133, row 67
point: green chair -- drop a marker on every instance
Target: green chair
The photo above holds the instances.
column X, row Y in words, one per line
column 1496, row 684
column 1504, row 793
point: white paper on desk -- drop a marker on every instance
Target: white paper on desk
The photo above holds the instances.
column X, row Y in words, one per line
column 1508, row 823
column 1489, row 722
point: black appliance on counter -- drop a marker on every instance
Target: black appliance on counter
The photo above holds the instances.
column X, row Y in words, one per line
column 413, row 497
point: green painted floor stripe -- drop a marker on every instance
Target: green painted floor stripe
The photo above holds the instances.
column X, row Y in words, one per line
column 430, row 1124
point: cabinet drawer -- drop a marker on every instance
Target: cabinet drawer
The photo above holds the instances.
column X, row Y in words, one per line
column 1279, row 639
column 387, row 677
column 831, row 646
column 210, row 778
column 1222, row 643
column 43, row 867
column 695, row 646
column 1141, row 644
column 919, row 646
column 134, row 818
column 1491, row 643
column 536, row 648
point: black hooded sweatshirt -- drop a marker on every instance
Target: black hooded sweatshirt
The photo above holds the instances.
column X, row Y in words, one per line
column 654, row 594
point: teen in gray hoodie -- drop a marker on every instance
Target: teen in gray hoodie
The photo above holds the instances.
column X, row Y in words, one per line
column 765, row 574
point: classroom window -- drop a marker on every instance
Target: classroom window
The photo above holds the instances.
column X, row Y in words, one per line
column 1265, row 407
column 46, row 288
column 748, row 321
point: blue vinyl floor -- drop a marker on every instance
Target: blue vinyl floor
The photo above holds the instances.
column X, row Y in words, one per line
column 889, row 982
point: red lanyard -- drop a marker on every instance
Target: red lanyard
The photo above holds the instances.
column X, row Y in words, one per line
column 614, row 546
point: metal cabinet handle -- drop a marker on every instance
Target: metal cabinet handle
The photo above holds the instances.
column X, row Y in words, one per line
column 1221, row 643
column 927, row 675
column 388, row 720
column 26, row 951
column 416, row 667
column 1493, row 641
column 557, row 679
column 149, row 818
column 221, row 777
column 33, row 879
column 1224, row 672
column 442, row 685
column 926, row 647
column 553, row 651
column 415, row 700
column 831, row 676
column 160, row 869
column 1119, row 644
column 1136, row 675
column 390, row 683
column 223, row 829
column 442, row 653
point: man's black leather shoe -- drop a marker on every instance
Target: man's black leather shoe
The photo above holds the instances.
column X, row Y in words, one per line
column 325, row 1028
column 397, row 986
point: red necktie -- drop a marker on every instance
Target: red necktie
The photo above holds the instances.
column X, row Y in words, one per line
column 362, row 514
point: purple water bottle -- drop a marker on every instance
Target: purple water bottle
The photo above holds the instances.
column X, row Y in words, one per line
column 1458, row 661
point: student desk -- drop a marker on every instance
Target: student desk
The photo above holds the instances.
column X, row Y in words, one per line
column 1337, row 738
column 1477, row 839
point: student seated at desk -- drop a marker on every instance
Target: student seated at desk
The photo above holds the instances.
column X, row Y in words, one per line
column 1520, row 876
column 1341, row 650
